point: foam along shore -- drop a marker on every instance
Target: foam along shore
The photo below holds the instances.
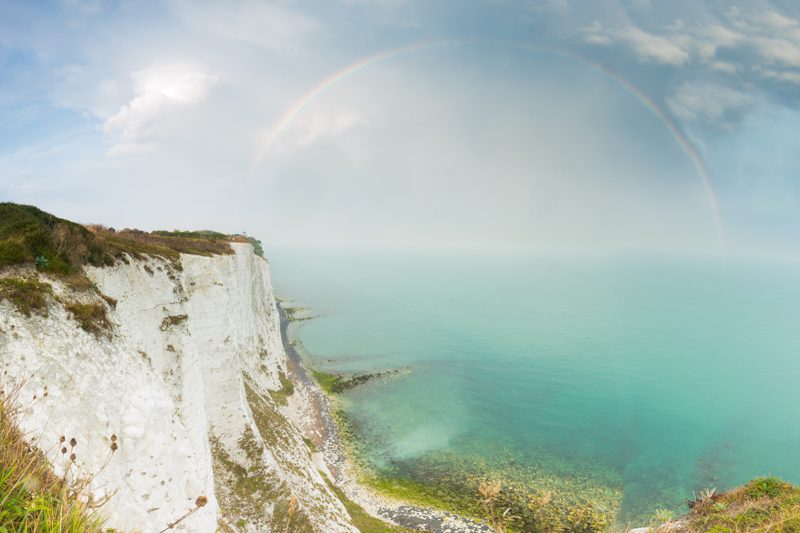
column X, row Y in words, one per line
column 317, row 415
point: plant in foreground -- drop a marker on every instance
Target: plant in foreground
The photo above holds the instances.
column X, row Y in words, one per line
column 499, row 520
column 32, row 497
column 200, row 502
column 662, row 516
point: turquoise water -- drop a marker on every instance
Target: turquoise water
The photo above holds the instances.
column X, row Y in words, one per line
column 655, row 376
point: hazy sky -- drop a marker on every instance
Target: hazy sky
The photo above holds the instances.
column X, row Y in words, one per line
column 489, row 124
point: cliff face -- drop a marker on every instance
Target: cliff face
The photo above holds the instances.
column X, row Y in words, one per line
column 190, row 379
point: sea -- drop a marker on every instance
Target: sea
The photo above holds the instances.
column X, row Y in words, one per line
column 640, row 379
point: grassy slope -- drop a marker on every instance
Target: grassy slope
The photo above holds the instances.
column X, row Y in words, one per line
column 31, row 497
column 763, row 504
column 364, row 521
column 63, row 247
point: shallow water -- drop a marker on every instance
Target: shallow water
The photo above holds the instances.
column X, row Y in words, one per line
column 650, row 375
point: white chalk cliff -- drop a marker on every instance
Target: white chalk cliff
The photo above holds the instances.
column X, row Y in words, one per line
column 182, row 380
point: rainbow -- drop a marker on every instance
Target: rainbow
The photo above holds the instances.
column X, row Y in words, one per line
column 680, row 138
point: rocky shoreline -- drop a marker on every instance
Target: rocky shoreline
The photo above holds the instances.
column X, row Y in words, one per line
column 336, row 460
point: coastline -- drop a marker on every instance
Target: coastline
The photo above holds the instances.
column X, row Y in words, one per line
column 334, row 460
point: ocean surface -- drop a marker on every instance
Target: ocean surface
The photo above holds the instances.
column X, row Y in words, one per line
column 649, row 376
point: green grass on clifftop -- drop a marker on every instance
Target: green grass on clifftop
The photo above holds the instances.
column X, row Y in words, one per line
column 764, row 504
column 30, row 236
column 28, row 233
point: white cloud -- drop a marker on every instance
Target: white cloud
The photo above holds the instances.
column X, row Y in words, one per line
column 653, row 48
column 711, row 103
column 773, row 19
column 770, row 35
column 159, row 91
column 781, row 75
column 319, row 127
column 323, row 126
column 648, row 48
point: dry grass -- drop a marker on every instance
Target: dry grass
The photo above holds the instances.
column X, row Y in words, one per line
column 27, row 295
column 762, row 505
column 32, row 498
column 499, row 519
column 30, row 236
column 90, row 317
column 163, row 244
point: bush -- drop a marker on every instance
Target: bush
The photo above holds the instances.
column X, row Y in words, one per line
column 26, row 295
column 765, row 487
column 90, row 317
column 11, row 252
column 29, row 235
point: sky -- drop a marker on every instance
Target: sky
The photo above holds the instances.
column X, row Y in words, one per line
column 491, row 125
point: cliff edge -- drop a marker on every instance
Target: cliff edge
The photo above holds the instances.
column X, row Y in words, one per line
column 180, row 360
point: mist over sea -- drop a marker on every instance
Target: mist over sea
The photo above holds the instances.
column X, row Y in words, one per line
column 653, row 376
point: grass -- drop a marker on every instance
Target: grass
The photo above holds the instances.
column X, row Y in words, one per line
column 763, row 504
column 32, row 498
column 362, row 519
column 27, row 295
column 90, row 317
column 28, row 233
column 31, row 236
column 281, row 396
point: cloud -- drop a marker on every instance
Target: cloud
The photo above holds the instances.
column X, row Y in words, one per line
column 748, row 40
column 711, row 103
column 653, row 48
column 318, row 128
column 159, row 91
column 648, row 48
column 329, row 126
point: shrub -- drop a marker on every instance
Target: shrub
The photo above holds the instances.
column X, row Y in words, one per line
column 27, row 295
column 90, row 317
column 11, row 252
column 763, row 504
column 765, row 487
column 29, row 235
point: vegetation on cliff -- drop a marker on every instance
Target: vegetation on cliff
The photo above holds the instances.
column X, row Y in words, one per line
column 33, row 241
column 763, row 504
column 32, row 497
column 31, row 236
